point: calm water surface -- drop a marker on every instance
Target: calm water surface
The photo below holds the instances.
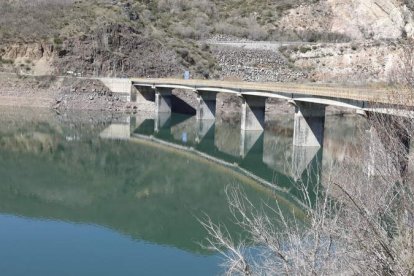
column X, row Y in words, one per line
column 103, row 194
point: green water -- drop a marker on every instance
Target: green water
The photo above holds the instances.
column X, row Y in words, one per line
column 77, row 201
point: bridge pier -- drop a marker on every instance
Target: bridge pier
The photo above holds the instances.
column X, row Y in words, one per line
column 144, row 96
column 206, row 105
column 163, row 100
column 253, row 113
column 309, row 125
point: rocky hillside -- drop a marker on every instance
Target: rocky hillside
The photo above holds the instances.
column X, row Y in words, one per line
column 356, row 19
column 161, row 38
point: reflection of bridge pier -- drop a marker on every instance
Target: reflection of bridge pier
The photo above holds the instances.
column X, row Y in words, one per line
column 194, row 131
column 149, row 124
column 162, row 121
column 251, row 140
column 277, row 151
column 227, row 139
column 306, row 159
column 204, row 130
column 236, row 142
column 117, row 131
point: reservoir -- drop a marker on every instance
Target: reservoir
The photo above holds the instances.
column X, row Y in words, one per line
column 110, row 194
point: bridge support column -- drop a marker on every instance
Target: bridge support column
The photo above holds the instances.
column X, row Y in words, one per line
column 206, row 107
column 163, row 100
column 253, row 113
column 309, row 125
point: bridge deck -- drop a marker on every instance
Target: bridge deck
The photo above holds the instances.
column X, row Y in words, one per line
column 289, row 90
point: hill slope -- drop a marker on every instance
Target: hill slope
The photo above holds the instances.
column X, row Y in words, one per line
column 162, row 37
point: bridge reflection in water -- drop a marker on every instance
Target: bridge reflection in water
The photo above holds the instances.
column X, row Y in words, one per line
column 267, row 156
column 67, row 168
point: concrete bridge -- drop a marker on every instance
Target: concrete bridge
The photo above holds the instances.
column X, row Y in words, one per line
column 309, row 100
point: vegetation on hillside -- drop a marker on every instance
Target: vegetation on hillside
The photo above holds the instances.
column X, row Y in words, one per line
column 141, row 37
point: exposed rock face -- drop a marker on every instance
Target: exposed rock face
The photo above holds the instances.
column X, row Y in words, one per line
column 35, row 58
column 117, row 50
column 372, row 19
column 364, row 62
column 113, row 50
column 33, row 51
column 358, row 19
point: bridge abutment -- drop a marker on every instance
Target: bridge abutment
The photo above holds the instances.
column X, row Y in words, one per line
column 206, row 105
column 309, row 125
column 121, row 87
column 253, row 113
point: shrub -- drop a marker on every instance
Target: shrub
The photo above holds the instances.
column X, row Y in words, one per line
column 304, row 49
column 57, row 40
column 184, row 31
